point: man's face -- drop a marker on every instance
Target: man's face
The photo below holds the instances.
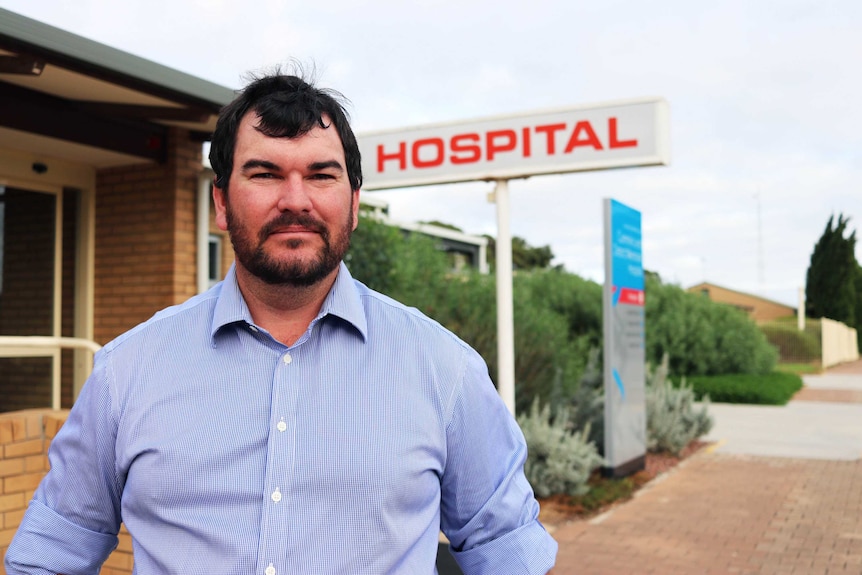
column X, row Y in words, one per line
column 289, row 209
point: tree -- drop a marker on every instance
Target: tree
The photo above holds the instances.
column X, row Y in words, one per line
column 831, row 288
column 524, row 256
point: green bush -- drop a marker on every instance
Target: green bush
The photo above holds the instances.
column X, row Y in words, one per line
column 547, row 361
column 794, row 345
column 408, row 268
column 774, row 388
column 558, row 459
column 578, row 300
column 702, row 337
column 673, row 421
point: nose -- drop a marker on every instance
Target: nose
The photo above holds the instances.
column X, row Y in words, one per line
column 293, row 195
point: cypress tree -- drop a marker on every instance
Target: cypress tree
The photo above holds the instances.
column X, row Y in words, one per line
column 831, row 281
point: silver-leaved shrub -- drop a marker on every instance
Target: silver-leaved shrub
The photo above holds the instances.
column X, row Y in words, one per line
column 559, row 460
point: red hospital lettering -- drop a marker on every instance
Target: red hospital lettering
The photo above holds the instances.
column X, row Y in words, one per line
column 435, row 161
column 612, row 136
column 511, row 141
column 590, row 140
column 550, row 130
column 474, row 150
column 400, row 155
column 527, row 149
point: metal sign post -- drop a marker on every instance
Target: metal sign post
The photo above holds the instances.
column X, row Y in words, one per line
column 505, row 299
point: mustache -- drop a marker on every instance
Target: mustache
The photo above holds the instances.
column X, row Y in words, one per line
column 287, row 219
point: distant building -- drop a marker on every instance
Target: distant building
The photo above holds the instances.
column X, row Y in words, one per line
column 464, row 250
column 758, row 308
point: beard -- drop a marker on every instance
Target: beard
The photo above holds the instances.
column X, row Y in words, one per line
column 282, row 269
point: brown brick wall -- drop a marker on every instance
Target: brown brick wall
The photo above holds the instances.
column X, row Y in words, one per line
column 145, row 238
column 759, row 309
column 25, row 437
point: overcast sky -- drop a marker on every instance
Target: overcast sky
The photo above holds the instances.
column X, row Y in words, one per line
column 765, row 100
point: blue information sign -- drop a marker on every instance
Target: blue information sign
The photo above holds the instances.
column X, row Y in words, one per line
column 625, row 405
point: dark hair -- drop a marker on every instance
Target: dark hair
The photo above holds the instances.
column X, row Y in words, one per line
column 288, row 107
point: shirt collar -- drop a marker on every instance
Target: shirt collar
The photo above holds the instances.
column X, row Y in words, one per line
column 343, row 301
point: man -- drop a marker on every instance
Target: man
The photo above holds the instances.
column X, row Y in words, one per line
column 290, row 420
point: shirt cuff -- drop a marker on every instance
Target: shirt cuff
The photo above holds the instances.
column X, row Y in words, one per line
column 48, row 543
column 529, row 550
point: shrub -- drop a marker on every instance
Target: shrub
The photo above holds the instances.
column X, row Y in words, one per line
column 578, row 300
column 673, row 421
column 702, row 337
column 794, row 345
column 558, row 459
column 408, row 268
column 587, row 404
column 547, row 362
column 774, row 388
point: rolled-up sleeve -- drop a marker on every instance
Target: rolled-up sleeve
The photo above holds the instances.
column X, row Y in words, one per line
column 72, row 522
column 489, row 512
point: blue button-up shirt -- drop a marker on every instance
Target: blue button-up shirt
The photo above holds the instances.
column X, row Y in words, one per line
column 225, row 451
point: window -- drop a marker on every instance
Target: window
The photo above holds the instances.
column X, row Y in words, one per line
column 215, row 251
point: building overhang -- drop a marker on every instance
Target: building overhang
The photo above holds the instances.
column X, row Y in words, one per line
column 71, row 98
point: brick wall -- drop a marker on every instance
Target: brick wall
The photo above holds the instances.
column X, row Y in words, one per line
column 145, row 237
column 24, row 440
column 758, row 309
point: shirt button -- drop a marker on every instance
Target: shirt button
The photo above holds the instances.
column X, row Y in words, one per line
column 276, row 495
column 282, row 426
column 269, row 570
column 252, row 328
column 287, row 359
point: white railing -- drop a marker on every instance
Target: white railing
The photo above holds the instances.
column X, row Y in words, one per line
column 43, row 345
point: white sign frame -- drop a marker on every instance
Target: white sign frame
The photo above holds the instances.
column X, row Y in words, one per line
column 618, row 134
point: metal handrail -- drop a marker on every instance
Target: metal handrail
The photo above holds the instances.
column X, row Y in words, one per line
column 48, row 341
column 44, row 341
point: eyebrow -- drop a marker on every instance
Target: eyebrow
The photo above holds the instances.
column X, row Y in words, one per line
column 252, row 164
column 314, row 166
column 318, row 166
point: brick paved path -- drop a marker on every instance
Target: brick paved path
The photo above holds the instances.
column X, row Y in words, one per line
column 723, row 513
column 728, row 514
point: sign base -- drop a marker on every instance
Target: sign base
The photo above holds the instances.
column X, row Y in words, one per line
column 625, row 469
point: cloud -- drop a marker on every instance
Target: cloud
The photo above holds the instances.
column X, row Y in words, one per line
column 763, row 97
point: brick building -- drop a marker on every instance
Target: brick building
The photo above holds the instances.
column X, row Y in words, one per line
column 758, row 308
column 101, row 193
column 105, row 218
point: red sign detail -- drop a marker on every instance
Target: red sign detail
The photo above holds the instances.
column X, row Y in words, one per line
column 468, row 149
column 632, row 296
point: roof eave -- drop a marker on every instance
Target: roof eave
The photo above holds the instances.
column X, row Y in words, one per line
column 80, row 54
